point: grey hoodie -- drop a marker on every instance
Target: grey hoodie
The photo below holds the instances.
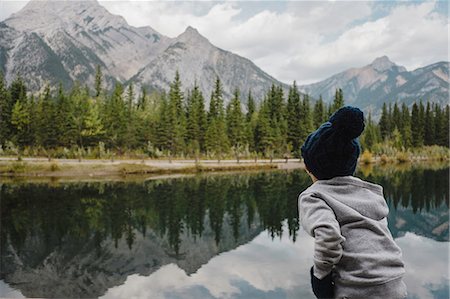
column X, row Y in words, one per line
column 347, row 218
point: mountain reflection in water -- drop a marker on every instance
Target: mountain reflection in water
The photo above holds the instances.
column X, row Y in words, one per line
column 232, row 236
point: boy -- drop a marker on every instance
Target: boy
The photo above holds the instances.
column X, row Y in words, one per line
column 355, row 255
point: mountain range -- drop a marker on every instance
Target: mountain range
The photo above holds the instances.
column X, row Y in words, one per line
column 48, row 42
column 384, row 81
column 64, row 41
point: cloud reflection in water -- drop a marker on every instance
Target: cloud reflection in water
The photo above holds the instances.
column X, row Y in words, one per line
column 266, row 268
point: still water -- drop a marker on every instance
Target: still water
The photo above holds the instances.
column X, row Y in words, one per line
column 209, row 236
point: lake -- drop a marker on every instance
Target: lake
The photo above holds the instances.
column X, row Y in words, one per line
column 204, row 236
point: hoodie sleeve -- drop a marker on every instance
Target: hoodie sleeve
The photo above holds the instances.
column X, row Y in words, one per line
column 319, row 220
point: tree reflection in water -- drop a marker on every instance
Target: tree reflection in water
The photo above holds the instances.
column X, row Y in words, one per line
column 40, row 219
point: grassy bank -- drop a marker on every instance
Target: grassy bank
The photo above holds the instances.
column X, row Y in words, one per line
column 101, row 168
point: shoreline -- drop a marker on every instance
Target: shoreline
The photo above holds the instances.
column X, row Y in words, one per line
column 72, row 168
column 124, row 169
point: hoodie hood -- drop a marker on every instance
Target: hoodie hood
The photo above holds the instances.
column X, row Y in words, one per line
column 348, row 193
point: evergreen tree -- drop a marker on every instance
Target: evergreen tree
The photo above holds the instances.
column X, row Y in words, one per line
column 429, row 131
column 64, row 119
column 320, row 115
column 293, row 110
column 397, row 118
column 6, row 107
column 385, row 125
column 446, row 141
column 264, row 138
column 47, row 133
column 338, row 100
column 93, row 129
column 196, row 120
column 17, row 92
column 307, row 115
column 163, row 125
column 416, row 128
column 130, row 137
column 177, row 117
column 251, row 119
column 98, row 81
column 421, row 124
column 115, row 118
column 251, row 107
column 216, row 140
column 371, row 135
column 439, row 125
column 306, row 123
column 21, row 119
column 235, row 122
column 130, row 98
column 142, row 102
column 406, row 126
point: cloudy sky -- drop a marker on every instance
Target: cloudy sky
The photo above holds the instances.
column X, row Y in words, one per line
column 305, row 41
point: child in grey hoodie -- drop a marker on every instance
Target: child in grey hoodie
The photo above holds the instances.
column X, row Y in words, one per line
column 355, row 255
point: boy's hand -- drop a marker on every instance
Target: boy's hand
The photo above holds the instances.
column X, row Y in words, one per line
column 322, row 288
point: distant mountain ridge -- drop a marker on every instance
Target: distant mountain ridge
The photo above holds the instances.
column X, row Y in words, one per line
column 64, row 41
column 384, row 81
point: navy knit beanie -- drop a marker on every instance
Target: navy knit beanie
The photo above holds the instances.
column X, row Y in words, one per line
column 333, row 149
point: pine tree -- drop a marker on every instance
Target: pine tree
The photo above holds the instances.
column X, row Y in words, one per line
column 371, row 135
column 439, row 125
column 251, row 107
column 264, row 138
column 235, row 122
column 406, row 126
column 64, row 119
column 338, row 100
column 251, row 118
column 446, row 141
column 196, row 120
column 293, row 110
column 421, row 123
column 429, row 132
column 385, row 126
column 177, row 117
column 93, row 127
column 98, row 81
column 115, row 118
column 319, row 113
column 6, row 107
column 307, row 115
column 142, row 102
column 47, row 134
column 397, row 118
column 130, row 137
column 416, row 128
column 163, row 125
column 21, row 119
column 130, row 98
column 216, row 140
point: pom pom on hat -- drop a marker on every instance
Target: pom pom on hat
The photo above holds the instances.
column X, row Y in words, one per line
column 348, row 121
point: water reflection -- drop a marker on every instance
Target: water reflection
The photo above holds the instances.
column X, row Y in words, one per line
column 220, row 236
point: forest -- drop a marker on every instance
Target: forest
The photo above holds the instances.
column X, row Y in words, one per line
column 94, row 123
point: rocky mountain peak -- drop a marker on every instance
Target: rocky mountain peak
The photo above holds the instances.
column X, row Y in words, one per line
column 48, row 15
column 191, row 35
column 382, row 64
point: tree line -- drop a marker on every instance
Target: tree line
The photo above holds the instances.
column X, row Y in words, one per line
column 178, row 123
column 406, row 128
